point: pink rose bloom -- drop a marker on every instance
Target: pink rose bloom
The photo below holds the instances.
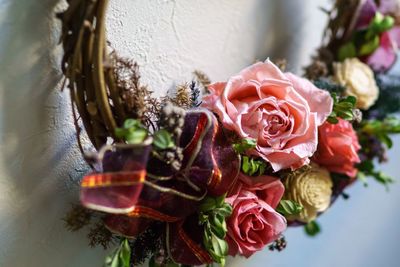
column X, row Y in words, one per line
column 279, row 110
column 254, row 222
column 338, row 147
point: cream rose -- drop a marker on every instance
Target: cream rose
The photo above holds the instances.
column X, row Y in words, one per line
column 311, row 187
column 359, row 80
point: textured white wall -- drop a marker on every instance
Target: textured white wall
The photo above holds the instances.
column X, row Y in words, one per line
column 39, row 160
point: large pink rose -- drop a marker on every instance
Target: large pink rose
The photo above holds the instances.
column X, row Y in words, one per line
column 280, row 110
column 338, row 147
column 254, row 222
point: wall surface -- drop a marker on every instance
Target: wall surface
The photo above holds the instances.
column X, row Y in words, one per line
column 39, row 161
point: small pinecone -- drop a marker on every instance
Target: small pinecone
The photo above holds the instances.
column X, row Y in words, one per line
column 279, row 244
column 316, row 70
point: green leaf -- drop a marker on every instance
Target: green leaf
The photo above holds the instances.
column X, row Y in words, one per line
column 121, row 257
column 125, row 253
column 252, row 166
column 133, row 132
column 245, row 164
column 384, row 138
column 367, row 168
column 382, row 129
column 383, row 179
column 212, row 216
column 136, row 136
column 370, row 46
column 347, row 50
column 332, row 120
column 342, row 108
column 220, row 200
column 163, row 140
column 363, row 178
column 244, row 145
column 225, row 210
column 288, row 207
column 351, row 99
column 208, row 204
column 132, row 123
column 312, row 228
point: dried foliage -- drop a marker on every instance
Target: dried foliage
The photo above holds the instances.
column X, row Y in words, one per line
column 182, row 97
column 99, row 235
column 316, row 70
column 138, row 100
column 279, row 244
column 202, row 78
column 341, row 23
column 77, row 217
column 338, row 30
column 281, row 64
column 147, row 244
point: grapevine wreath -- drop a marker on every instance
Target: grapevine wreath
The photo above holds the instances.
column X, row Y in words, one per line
column 217, row 169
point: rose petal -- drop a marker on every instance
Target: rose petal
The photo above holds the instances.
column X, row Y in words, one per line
column 318, row 100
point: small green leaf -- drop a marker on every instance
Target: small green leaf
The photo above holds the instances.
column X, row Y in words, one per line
column 342, row 108
column 332, row 120
column 351, row 99
column 212, row 216
column 121, row 257
column 133, row 132
column 125, row 253
column 245, row 164
column 347, row 50
column 369, row 47
column 384, row 138
column 363, row 178
column 208, row 204
column 244, row 145
column 312, row 228
column 252, row 166
column 132, row 123
column 163, row 140
column 383, row 179
column 288, row 207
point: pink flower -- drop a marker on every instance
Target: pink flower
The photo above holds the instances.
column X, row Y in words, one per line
column 337, row 149
column 254, row 222
column 279, row 110
column 383, row 58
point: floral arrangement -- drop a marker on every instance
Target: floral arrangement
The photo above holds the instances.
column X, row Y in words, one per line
column 217, row 169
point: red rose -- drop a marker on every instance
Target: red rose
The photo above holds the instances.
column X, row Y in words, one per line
column 337, row 148
column 254, row 222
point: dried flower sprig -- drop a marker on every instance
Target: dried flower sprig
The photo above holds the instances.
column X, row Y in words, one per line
column 99, row 235
column 77, row 218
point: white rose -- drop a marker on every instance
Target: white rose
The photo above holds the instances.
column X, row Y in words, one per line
column 311, row 187
column 359, row 80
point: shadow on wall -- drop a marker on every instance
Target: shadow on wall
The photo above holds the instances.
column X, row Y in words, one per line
column 38, row 146
column 281, row 37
